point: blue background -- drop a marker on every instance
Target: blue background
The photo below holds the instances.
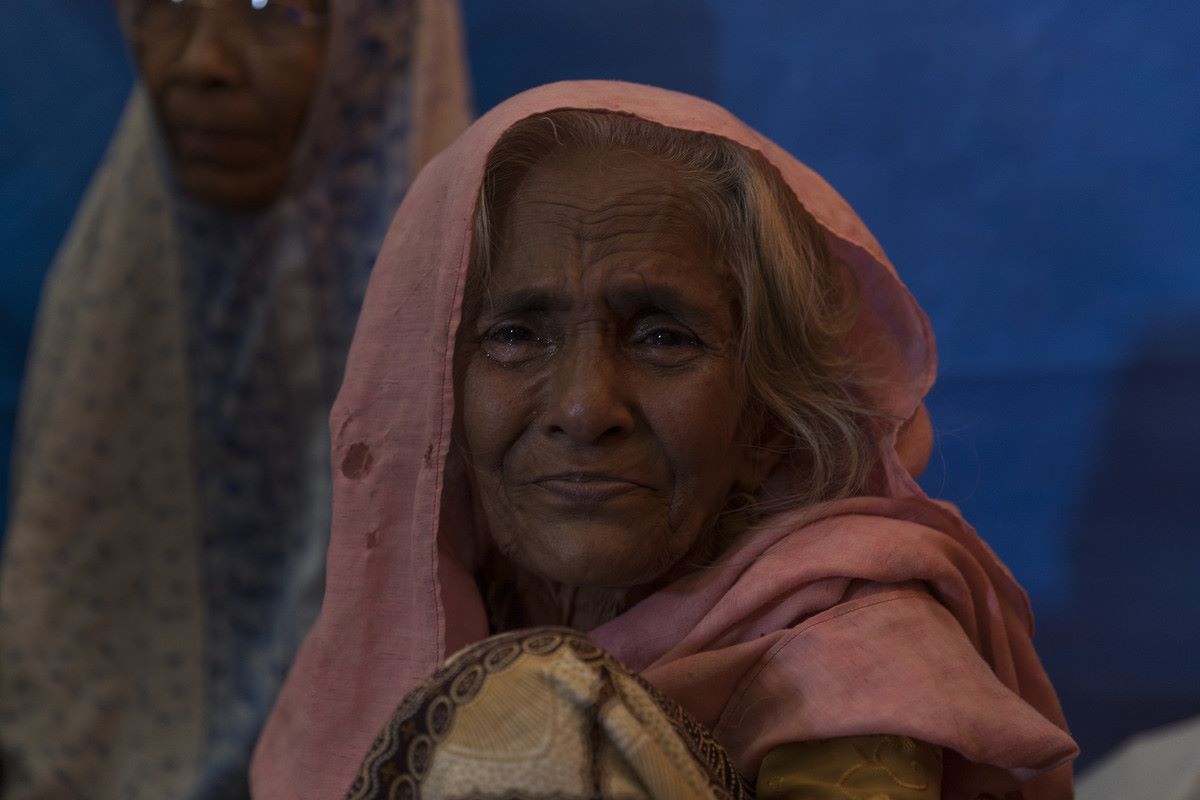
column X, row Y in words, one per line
column 1031, row 169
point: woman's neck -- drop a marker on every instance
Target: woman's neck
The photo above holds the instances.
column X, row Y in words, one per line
column 517, row 599
column 583, row 608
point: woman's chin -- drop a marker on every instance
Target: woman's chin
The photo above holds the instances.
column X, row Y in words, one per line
column 233, row 189
column 596, row 557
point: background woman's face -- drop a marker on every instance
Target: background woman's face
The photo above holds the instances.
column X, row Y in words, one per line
column 231, row 87
column 602, row 400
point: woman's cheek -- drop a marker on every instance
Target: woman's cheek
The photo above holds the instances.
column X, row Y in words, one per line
column 697, row 420
column 499, row 405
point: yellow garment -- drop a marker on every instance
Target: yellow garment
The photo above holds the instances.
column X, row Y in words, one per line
column 852, row 768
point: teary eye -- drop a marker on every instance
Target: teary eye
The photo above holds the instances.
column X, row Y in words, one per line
column 512, row 343
column 663, row 343
column 670, row 337
column 511, row 334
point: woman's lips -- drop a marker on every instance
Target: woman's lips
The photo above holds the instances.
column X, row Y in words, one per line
column 225, row 147
column 586, row 489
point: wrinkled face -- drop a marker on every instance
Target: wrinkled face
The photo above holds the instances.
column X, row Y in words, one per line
column 602, row 404
column 231, row 85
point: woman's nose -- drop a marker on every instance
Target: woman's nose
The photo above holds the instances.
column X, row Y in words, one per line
column 589, row 403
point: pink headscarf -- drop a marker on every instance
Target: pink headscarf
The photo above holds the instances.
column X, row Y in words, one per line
column 863, row 616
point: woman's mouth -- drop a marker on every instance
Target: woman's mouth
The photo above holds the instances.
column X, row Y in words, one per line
column 214, row 145
column 586, row 488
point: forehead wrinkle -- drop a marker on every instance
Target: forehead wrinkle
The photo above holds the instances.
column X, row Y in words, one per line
column 615, row 223
column 592, row 247
column 632, row 206
column 572, row 223
column 632, row 236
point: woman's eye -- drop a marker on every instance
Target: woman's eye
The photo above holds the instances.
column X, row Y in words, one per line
column 668, row 346
column 510, row 343
column 666, row 337
column 511, row 334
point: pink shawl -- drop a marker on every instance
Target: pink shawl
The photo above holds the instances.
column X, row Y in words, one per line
column 870, row 615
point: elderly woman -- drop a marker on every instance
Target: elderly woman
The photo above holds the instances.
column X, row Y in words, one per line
column 628, row 369
column 170, row 513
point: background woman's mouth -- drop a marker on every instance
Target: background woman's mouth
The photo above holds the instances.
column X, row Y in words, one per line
column 233, row 148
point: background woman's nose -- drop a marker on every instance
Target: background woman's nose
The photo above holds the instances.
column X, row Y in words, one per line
column 210, row 54
column 589, row 402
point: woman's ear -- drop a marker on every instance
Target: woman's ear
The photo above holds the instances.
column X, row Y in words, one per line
column 914, row 442
column 767, row 445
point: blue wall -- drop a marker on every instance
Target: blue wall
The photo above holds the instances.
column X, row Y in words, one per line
column 63, row 80
column 1032, row 170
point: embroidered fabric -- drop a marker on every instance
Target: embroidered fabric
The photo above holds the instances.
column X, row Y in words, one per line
column 543, row 713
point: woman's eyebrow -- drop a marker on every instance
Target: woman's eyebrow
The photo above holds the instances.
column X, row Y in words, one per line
column 522, row 301
column 627, row 298
column 630, row 298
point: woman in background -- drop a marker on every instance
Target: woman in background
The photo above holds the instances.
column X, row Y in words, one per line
column 165, row 551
